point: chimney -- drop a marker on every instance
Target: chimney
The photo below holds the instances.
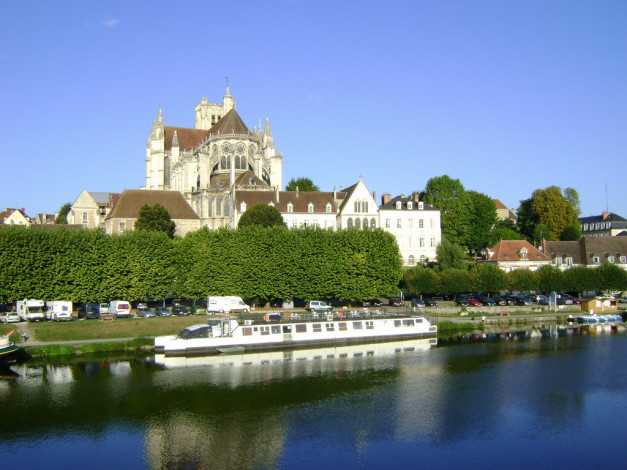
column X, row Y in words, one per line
column 606, row 214
column 385, row 198
column 415, row 197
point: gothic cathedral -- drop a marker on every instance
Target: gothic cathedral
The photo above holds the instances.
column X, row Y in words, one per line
column 208, row 163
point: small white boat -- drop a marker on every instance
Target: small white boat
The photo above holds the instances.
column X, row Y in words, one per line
column 7, row 347
column 223, row 334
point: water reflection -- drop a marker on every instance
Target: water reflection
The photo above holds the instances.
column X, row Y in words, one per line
column 329, row 407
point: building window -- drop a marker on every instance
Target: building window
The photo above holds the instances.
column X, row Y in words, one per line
column 349, row 222
column 373, row 223
column 422, row 242
column 398, row 223
column 409, row 205
column 357, row 223
column 432, row 242
column 122, row 226
column 242, row 207
column 328, row 208
column 569, row 260
column 558, row 261
column 84, row 219
column 523, row 254
column 411, row 223
column 290, row 207
column 399, row 204
column 623, row 259
column 611, row 259
column 411, row 261
column 596, row 259
column 310, row 208
column 387, row 223
column 421, row 205
column 421, row 223
column 423, row 259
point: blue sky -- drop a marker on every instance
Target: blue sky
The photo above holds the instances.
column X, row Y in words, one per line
column 507, row 96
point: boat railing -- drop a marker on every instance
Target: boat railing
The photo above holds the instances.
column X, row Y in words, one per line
column 336, row 315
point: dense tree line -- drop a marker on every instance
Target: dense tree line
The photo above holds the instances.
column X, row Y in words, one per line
column 485, row 277
column 256, row 263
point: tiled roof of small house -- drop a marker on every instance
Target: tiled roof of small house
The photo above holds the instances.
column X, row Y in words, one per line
column 570, row 249
column 133, row 199
column 499, row 204
column 510, row 250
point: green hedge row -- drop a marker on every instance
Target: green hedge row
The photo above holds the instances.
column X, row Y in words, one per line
column 255, row 263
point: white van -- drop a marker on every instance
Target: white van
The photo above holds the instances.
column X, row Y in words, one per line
column 59, row 310
column 120, row 308
column 318, row 306
column 226, row 304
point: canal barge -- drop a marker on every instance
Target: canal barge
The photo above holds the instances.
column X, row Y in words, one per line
column 7, row 347
column 230, row 334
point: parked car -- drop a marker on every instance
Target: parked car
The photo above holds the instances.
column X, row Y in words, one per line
column 487, row 301
column 396, row 302
column 430, row 303
column 461, row 301
column 318, row 306
column 144, row 312
column 90, row 311
column 373, row 303
column 181, row 310
column 10, row 317
column 564, row 299
column 521, row 301
column 418, row 303
column 104, row 308
column 163, row 312
column 474, row 303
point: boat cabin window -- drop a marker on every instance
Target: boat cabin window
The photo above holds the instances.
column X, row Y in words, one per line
column 397, row 323
column 287, row 328
column 317, row 327
column 265, row 330
column 330, row 327
column 276, row 329
column 301, row 328
column 409, row 322
column 342, row 326
column 418, row 320
column 195, row 333
column 247, row 331
column 357, row 325
column 369, row 325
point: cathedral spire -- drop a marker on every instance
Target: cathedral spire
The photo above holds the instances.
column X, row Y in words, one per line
column 175, row 139
column 228, row 102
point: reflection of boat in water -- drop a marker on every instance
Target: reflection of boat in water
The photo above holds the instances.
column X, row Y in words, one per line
column 225, row 334
column 7, row 348
column 593, row 319
column 295, row 357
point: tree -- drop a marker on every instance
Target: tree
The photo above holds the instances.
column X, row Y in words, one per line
column 522, row 280
column 420, row 280
column 502, row 234
column 553, row 210
column 63, row 212
column 527, row 219
column 450, row 197
column 450, row 255
column 550, row 279
column 572, row 197
column 455, row 281
column 542, row 232
column 482, row 213
column 579, row 278
column 571, row 233
column 263, row 215
column 303, row 184
column 155, row 218
column 612, row 277
column 487, row 277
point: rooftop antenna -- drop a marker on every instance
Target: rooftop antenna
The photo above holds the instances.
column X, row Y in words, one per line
column 607, row 199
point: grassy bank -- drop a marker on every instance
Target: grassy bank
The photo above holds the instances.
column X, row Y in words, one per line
column 453, row 327
column 111, row 329
column 54, row 350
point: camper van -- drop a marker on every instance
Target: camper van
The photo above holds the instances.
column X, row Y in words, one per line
column 227, row 304
column 120, row 308
column 30, row 310
column 59, row 310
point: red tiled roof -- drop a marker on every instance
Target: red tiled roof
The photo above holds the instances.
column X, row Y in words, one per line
column 510, row 250
column 188, row 138
column 499, row 204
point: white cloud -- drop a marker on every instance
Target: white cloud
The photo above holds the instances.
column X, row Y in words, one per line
column 109, row 21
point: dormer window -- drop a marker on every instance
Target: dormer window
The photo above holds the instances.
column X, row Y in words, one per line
column 328, row 208
column 523, row 253
column 290, row 207
column 310, row 208
column 409, row 205
column 611, row 259
column 242, row 207
column 421, row 205
column 399, row 204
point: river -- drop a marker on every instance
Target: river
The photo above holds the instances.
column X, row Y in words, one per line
column 554, row 403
